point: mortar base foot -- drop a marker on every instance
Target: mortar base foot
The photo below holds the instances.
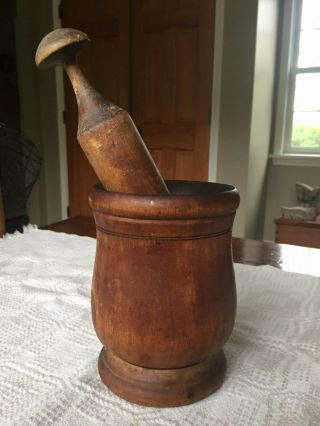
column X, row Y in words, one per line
column 161, row 387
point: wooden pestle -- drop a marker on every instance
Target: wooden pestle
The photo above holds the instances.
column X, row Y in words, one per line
column 106, row 132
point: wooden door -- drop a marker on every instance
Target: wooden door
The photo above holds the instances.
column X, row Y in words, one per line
column 106, row 64
column 155, row 59
column 172, row 69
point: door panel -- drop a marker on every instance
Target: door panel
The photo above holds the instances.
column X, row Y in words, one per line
column 106, row 64
column 155, row 59
column 172, row 63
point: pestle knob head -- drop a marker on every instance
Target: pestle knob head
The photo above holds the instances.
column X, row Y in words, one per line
column 60, row 47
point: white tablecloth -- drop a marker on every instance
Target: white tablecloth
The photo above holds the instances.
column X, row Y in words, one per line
column 49, row 350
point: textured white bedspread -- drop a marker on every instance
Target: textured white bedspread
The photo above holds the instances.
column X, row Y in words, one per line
column 49, row 350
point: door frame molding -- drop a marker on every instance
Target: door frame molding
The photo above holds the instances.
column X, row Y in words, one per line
column 62, row 136
column 216, row 90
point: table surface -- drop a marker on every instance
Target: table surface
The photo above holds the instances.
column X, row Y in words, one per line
column 49, row 350
column 284, row 256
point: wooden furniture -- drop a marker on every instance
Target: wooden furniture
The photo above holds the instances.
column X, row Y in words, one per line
column 252, row 252
column 301, row 233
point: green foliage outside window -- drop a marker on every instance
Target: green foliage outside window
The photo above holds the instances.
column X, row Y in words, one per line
column 305, row 136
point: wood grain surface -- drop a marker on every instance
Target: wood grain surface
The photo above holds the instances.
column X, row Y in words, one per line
column 252, row 252
column 163, row 290
column 298, row 232
column 105, row 132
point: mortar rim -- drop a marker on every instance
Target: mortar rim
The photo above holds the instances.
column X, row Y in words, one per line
column 173, row 206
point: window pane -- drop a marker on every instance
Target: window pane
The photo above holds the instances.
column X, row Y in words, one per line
column 306, row 130
column 307, row 92
column 309, row 52
column 310, row 18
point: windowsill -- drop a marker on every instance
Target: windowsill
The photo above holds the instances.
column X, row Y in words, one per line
column 302, row 160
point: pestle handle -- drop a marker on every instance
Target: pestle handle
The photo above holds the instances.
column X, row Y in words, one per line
column 106, row 132
column 61, row 47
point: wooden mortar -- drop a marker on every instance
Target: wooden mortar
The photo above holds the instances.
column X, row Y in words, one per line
column 163, row 294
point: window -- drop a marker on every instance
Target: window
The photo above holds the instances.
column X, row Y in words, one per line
column 298, row 109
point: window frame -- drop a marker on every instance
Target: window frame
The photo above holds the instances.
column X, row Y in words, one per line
column 288, row 72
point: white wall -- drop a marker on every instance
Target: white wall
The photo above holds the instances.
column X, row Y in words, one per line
column 244, row 138
column 261, row 118
column 246, row 106
column 236, row 99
